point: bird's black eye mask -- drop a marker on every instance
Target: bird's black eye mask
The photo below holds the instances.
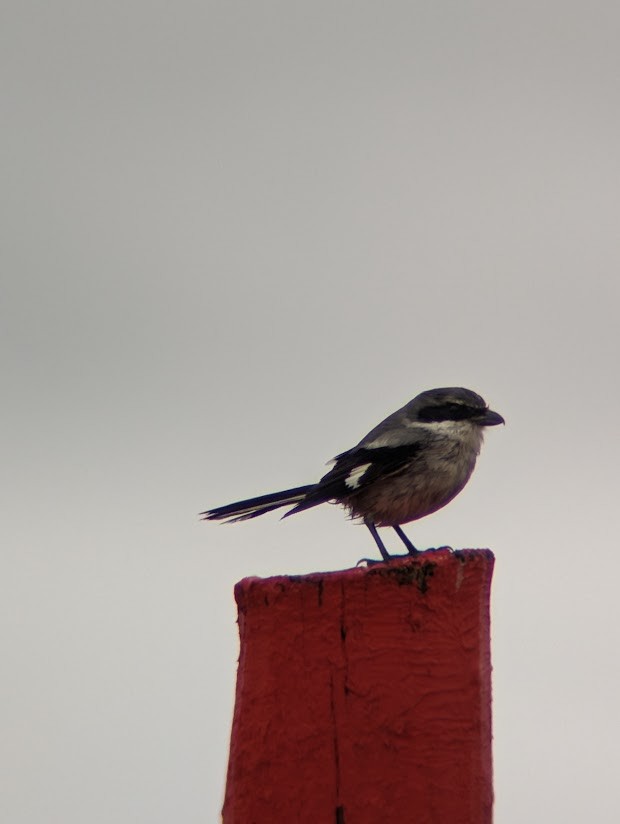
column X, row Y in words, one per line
column 449, row 412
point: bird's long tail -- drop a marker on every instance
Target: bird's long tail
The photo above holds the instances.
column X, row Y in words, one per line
column 253, row 507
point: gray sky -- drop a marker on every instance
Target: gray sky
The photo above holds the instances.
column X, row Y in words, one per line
column 235, row 236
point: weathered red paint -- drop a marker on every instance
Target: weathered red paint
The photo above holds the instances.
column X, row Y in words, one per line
column 364, row 696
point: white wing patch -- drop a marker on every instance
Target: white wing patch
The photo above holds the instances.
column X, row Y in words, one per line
column 355, row 475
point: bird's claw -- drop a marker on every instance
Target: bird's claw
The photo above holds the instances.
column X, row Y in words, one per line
column 375, row 561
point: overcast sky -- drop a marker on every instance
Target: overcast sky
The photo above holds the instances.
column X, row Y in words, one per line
column 235, row 236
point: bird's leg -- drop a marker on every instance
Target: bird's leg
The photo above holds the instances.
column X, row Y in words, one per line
column 373, row 531
column 410, row 547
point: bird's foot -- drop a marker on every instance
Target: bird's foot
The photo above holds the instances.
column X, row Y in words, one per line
column 374, row 561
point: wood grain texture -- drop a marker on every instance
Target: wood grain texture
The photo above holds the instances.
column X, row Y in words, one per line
column 364, row 696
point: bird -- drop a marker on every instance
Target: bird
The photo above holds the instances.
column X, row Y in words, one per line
column 408, row 466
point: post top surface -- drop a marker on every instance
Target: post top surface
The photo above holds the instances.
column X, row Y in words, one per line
column 439, row 558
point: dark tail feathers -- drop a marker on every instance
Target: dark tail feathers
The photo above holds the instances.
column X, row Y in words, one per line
column 253, row 507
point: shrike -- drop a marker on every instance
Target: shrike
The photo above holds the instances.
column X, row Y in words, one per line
column 411, row 464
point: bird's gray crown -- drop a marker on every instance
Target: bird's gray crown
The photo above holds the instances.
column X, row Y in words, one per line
column 452, row 394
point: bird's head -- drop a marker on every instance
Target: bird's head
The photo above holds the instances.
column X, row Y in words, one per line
column 452, row 404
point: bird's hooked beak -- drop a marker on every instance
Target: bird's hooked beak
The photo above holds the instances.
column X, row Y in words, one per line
column 490, row 418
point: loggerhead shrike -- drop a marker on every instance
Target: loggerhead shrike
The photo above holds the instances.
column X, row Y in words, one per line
column 411, row 464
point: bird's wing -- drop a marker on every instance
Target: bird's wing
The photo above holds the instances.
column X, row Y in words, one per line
column 356, row 469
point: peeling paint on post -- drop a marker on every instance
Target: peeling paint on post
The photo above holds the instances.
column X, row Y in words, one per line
column 364, row 696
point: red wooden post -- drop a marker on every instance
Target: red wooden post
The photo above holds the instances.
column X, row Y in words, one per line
column 364, row 696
